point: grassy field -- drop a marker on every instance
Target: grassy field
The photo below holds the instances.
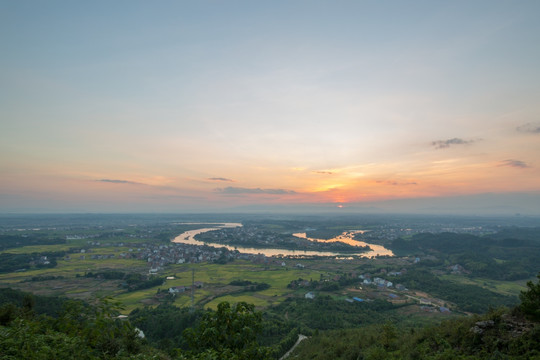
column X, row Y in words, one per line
column 215, row 277
column 275, row 276
column 41, row 248
column 502, row 287
column 82, row 243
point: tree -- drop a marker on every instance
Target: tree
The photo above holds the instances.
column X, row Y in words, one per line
column 99, row 327
column 530, row 300
column 230, row 330
column 388, row 334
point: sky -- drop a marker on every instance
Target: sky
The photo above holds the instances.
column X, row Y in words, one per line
column 190, row 106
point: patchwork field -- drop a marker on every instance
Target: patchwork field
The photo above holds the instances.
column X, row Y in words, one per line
column 69, row 279
column 501, row 287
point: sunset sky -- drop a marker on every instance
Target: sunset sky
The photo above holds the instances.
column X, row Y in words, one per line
column 160, row 106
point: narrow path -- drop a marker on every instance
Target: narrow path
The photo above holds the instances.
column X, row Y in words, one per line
column 300, row 339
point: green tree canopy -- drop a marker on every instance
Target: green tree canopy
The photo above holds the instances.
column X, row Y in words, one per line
column 230, row 330
column 530, row 300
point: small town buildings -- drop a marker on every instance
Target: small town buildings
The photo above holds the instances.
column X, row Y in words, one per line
column 177, row 289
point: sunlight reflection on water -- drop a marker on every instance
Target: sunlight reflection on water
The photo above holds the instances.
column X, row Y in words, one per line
column 346, row 237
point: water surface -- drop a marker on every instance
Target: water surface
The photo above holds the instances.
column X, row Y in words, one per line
column 188, row 237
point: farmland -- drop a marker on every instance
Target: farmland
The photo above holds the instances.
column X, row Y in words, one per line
column 140, row 249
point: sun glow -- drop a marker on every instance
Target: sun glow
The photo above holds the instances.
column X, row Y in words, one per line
column 331, row 126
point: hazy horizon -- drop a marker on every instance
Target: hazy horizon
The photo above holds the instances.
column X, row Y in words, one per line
column 484, row 205
column 294, row 106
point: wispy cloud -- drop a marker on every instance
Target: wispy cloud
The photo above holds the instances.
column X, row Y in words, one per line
column 443, row 144
column 514, row 163
column 397, row 183
column 239, row 190
column 116, row 181
column 169, row 197
column 220, row 179
column 323, row 172
column 531, row 128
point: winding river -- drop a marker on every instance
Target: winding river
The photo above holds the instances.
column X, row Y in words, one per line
column 347, row 237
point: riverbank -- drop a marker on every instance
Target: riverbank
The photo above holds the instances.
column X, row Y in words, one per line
column 359, row 249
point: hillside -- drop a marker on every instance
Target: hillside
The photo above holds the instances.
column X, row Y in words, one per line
column 232, row 332
column 501, row 333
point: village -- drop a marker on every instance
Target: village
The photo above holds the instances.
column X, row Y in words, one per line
column 368, row 287
column 157, row 256
column 382, row 285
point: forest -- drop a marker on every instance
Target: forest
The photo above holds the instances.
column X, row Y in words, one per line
column 67, row 329
column 507, row 255
column 86, row 291
column 500, row 333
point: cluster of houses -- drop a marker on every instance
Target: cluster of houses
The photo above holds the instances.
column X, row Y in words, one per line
column 383, row 283
column 458, row 269
column 396, row 230
column 80, row 237
column 159, row 255
column 181, row 289
column 434, row 309
column 40, row 260
column 299, row 283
